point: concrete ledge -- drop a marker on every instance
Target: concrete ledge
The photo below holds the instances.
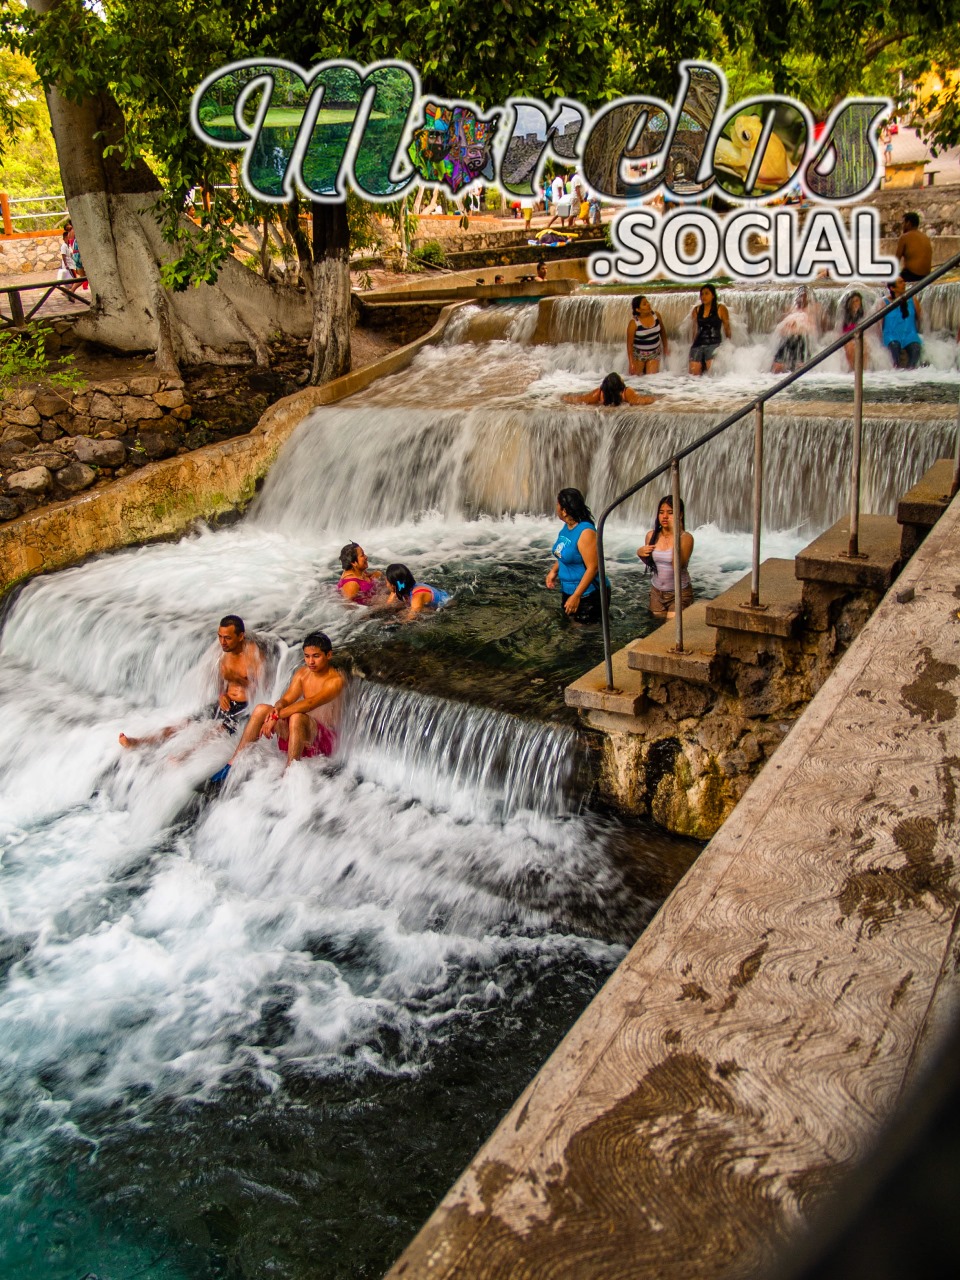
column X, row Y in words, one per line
column 779, row 594
column 164, row 498
column 926, row 502
column 590, row 691
column 825, row 559
column 653, row 652
column 748, row 1050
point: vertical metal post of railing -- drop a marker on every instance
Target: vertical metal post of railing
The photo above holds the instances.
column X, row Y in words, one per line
column 677, row 538
column 757, row 503
column 853, row 549
column 956, row 457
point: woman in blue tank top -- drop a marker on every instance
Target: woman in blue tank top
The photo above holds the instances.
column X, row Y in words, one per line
column 575, row 548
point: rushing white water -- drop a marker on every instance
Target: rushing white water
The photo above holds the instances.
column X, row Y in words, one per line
column 161, row 946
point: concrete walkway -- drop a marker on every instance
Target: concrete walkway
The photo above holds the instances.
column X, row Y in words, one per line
column 745, row 1054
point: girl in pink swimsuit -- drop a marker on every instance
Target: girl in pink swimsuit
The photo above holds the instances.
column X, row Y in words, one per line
column 357, row 583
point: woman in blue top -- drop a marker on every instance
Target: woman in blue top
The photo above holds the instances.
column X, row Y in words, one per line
column 405, row 590
column 901, row 329
column 576, row 550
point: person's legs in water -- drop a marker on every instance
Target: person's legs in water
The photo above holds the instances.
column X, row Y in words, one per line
column 301, row 731
column 912, row 351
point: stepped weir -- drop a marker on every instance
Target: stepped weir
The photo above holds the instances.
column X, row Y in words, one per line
column 258, row 1011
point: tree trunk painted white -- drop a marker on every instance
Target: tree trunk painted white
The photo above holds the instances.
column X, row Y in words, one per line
column 123, row 250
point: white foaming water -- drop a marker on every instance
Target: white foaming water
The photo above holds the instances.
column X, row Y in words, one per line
column 150, row 935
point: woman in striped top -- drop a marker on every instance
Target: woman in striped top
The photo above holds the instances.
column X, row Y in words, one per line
column 646, row 337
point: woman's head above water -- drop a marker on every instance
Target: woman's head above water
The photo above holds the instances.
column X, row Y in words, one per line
column 708, row 294
column 852, row 307
column 401, row 579
column 665, row 509
column 640, row 305
column 572, row 505
column 612, row 389
column 350, row 556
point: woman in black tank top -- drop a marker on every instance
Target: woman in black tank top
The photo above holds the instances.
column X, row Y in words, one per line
column 709, row 323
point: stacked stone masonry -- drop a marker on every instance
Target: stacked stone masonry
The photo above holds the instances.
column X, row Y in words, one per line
column 19, row 256
column 56, row 443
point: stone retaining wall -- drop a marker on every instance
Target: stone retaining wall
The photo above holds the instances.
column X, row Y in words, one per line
column 164, row 498
column 31, row 253
column 938, row 207
column 57, row 442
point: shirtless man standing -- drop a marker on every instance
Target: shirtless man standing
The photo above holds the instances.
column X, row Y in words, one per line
column 307, row 716
column 914, row 249
column 241, row 667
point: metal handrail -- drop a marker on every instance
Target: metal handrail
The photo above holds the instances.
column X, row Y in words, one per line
column 756, row 404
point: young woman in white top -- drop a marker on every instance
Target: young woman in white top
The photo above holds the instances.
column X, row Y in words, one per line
column 657, row 554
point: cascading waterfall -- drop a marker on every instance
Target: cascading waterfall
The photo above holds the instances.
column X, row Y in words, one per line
column 495, row 460
column 226, row 1021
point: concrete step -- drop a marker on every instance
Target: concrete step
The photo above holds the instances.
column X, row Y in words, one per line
column 926, row 502
column 590, row 692
column 826, row 559
column 653, row 653
column 780, row 611
column 922, row 506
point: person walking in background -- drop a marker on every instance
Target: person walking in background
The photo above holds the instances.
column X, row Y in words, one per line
column 657, row 554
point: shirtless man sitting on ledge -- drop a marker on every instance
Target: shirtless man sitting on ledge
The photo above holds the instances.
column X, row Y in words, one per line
column 307, row 716
column 241, row 667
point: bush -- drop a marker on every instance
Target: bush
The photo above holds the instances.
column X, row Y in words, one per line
column 431, row 251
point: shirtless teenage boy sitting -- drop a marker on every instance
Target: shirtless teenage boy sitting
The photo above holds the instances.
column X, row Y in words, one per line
column 306, row 717
column 241, row 666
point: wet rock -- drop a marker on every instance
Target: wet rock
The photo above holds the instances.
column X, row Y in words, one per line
column 156, row 445
column 21, row 417
column 33, row 482
column 103, row 407
column 99, row 453
column 197, row 438
column 9, row 510
column 76, row 476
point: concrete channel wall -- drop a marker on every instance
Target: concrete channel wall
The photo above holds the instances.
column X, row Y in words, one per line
column 164, row 498
column 748, row 1051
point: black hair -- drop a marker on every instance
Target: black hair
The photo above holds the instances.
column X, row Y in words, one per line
column 231, row 620
column 635, row 303
column 892, row 287
column 574, row 504
column 913, row 218
column 401, row 579
column 657, row 527
column 318, row 640
column 848, row 316
column 348, row 555
column 712, row 288
column 612, row 389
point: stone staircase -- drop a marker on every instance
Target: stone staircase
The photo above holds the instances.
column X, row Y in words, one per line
column 685, row 733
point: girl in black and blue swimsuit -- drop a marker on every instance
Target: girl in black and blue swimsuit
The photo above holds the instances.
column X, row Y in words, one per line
column 710, row 323
column 646, row 338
